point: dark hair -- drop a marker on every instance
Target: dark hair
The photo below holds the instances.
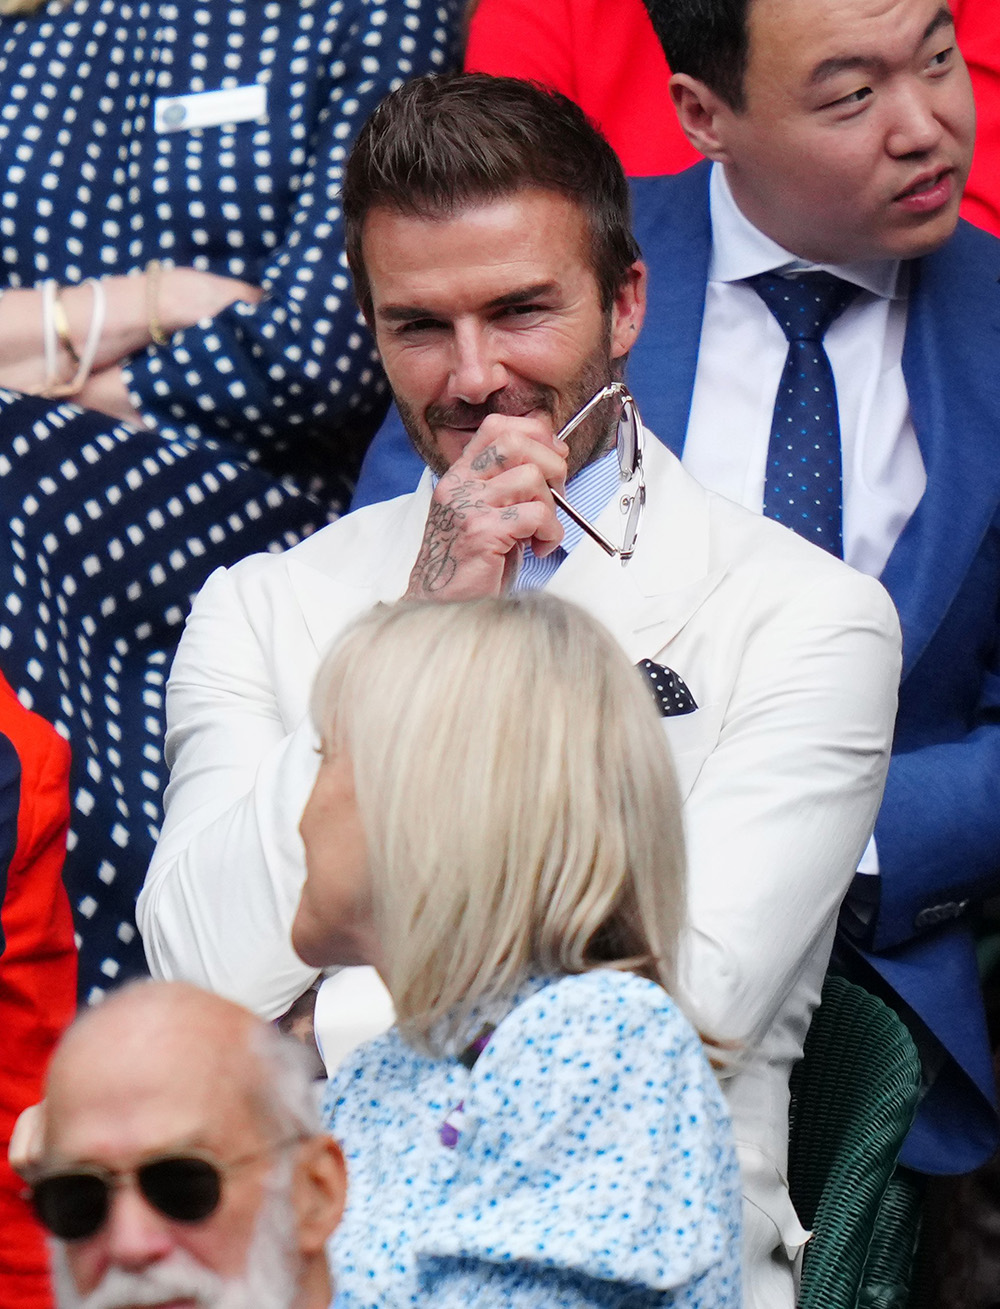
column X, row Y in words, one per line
column 707, row 39
column 438, row 144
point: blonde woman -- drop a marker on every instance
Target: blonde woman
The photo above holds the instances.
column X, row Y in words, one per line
column 495, row 825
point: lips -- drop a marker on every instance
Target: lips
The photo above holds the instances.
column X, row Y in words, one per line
column 930, row 191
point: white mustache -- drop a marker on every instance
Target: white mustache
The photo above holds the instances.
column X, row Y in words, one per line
column 178, row 1278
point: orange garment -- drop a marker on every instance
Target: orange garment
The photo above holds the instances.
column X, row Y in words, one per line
column 604, row 55
column 37, row 965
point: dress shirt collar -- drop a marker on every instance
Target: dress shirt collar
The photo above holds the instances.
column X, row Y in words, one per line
column 740, row 250
column 588, row 492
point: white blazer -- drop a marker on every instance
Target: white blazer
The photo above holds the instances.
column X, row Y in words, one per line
column 792, row 657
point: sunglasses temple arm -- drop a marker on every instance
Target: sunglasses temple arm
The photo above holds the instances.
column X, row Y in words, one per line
column 582, row 522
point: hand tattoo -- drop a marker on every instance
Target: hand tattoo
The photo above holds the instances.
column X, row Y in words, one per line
column 488, row 458
column 436, row 563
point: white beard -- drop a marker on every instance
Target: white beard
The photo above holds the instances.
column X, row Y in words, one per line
column 269, row 1281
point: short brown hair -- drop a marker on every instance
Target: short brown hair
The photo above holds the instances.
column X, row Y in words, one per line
column 438, row 144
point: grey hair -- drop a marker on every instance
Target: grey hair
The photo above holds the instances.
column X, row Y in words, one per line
column 285, row 1095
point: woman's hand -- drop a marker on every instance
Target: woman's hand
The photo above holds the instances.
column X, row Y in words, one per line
column 182, row 297
column 175, row 298
column 186, row 295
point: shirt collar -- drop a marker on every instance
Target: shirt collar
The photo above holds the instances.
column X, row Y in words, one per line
column 588, row 492
column 740, row 250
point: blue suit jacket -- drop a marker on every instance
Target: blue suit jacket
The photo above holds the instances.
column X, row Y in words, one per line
column 938, row 831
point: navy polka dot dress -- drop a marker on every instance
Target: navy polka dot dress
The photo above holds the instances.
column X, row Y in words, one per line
column 585, row 1160
column 257, row 417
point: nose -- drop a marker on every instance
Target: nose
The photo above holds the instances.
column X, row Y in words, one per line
column 135, row 1235
column 915, row 129
column 476, row 371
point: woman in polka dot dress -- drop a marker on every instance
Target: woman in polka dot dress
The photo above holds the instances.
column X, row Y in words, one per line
column 496, row 826
column 172, row 170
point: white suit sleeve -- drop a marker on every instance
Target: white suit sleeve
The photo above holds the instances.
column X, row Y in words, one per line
column 783, row 807
column 225, row 879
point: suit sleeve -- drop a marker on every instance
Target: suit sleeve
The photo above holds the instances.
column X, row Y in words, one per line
column 224, row 881
column 938, row 831
column 784, row 805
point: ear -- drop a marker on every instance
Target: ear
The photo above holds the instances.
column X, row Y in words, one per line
column 319, row 1192
column 702, row 114
column 628, row 311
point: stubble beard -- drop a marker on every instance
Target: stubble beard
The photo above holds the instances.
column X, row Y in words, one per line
column 594, row 437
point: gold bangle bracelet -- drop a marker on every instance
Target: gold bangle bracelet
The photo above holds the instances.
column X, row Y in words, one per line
column 61, row 323
column 154, row 270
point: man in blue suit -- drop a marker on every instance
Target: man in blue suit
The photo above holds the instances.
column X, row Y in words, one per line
column 841, row 133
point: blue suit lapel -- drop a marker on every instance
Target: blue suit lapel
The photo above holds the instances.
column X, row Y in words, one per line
column 674, row 231
column 950, row 362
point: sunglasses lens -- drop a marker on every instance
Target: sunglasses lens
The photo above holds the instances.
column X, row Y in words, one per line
column 183, row 1188
column 628, row 440
column 71, row 1205
column 632, row 522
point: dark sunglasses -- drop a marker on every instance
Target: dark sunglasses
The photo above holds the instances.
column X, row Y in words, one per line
column 74, row 1203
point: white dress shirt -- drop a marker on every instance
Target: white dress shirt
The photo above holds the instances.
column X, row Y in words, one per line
column 740, row 358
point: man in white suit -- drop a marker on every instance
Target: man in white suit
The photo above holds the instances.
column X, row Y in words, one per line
column 498, row 270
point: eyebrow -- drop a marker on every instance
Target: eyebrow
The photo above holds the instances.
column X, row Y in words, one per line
column 846, row 63
column 411, row 313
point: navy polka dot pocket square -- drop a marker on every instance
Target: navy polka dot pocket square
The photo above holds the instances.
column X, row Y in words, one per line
column 669, row 691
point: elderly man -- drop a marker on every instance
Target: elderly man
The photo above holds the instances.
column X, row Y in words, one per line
column 498, row 269
column 182, row 1161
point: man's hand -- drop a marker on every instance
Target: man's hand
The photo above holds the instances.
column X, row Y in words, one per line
column 493, row 500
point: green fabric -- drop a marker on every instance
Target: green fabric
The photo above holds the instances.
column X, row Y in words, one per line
column 853, row 1098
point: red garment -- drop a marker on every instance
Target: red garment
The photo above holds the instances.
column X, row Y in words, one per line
column 604, row 55
column 978, row 26
column 37, row 975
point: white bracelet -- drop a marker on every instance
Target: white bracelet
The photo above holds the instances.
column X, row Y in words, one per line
column 88, row 354
column 50, row 341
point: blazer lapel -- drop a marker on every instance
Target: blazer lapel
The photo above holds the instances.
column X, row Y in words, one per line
column 332, row 589
column 950, row 365
column 647, row 601
column 673, row 228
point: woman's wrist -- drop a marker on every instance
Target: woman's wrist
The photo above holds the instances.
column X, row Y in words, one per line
column 125, row 327
column 57, row 335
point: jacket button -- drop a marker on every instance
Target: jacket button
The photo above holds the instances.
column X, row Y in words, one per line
column 940, row 913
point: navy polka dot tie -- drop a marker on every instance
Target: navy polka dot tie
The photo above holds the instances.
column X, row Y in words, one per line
column 802, row 488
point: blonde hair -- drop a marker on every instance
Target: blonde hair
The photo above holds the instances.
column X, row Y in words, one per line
column 517, row 796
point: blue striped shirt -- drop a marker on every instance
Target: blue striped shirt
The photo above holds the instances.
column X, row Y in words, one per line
column 588, row 492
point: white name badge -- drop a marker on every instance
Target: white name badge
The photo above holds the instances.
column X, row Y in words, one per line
column 239, row 104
